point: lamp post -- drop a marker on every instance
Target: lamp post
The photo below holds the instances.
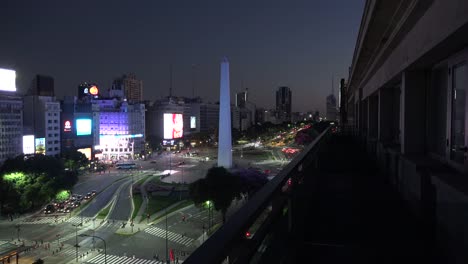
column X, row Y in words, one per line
column 105, row 247
column 18, row 229
column 94, row 232
column 166, row 233
column 58, row 240
column 76, row 241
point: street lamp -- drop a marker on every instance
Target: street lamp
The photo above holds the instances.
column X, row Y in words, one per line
column 18, row 228
column 105, row 247
column 76, row 240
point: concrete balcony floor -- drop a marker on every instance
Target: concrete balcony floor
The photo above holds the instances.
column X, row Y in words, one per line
column 346, row 212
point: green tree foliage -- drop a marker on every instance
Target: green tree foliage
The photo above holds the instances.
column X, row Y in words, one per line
column 26, row 183
column 74, row 160
column 219, row 186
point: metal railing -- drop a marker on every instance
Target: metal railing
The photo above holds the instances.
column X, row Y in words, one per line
column 229, row 242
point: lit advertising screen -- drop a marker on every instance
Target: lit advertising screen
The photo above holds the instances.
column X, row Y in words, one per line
column 86, row 152
column 7, row 80
column 40, row 145
column 83, row 127
column 193, row 122
column 28, row 144
column 173, row 126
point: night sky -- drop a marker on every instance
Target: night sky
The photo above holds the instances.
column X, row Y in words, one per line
column 271, row 43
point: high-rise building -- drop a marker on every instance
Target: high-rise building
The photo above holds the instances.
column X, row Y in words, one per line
column 121, row 129
column 284, row 103
column 11, row 122
column 242, row 98
column 332, row 111
column 130, row 87
column 42, row 117
column 42, row 85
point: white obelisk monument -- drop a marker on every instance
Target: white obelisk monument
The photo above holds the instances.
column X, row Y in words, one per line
column 224, row 130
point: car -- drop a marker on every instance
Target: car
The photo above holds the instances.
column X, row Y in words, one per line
column 68, row 209
column 87, row 196
column 79, row 198
column 76, row 204
column 93, row 192
column 49, row 209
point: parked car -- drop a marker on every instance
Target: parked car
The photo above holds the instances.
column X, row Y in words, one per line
column 49, row 209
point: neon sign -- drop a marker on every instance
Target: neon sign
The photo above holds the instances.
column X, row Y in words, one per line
column 67, row 126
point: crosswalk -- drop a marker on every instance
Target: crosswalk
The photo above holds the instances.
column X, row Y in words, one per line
column 174, row 237
column 43, row 220
column 100, row 259
column 52, row 220
column 71, row 251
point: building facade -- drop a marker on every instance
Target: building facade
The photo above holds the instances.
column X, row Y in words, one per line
column 332, row 110
column 131, row 87
column 11, row 125
column 407, row 98
column 284, row 103
column 42, row 117
column 121, row 129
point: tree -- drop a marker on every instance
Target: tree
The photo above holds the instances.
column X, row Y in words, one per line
column 74, row 160
column 250, row 181
column 219, row 186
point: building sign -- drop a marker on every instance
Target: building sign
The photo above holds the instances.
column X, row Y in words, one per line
column 40, row 146
column 93, row 90
column 193, row 122
column 7, row 80
column 83, row 127
column 86, row 152
column 67, row 126
column 28, row 144
column 173, row 126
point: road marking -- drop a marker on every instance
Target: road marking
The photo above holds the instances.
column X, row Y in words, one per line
column 99, row 259
column 171, row 236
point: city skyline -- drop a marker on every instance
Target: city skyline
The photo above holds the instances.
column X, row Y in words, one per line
column 291, row 44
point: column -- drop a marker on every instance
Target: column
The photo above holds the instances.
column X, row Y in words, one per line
column 413, row 112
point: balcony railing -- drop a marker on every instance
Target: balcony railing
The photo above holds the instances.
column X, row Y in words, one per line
column 266, row 208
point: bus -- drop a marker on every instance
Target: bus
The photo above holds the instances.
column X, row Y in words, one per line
column 126, row 165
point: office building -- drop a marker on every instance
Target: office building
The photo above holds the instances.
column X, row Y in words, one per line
column 42, row 85
column 11, row 125
column 332, row 111
column 129, row 86
column 42, row 117
column 284, row 104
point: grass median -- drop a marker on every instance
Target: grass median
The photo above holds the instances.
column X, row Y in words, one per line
column 104, row 212
column 137, row 201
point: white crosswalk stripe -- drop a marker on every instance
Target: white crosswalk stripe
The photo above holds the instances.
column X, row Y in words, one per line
column 71, row 251
column 77, row 220
column 43, row 221
column 99, row 259
column 171, row 236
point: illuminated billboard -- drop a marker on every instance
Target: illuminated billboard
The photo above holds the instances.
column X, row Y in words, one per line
column 28, row 144
column 83, row 127
column 40, row 145
column 67, row 126
column 173, row 126
column 86, row 152
column 7, row 80
column 193, row 122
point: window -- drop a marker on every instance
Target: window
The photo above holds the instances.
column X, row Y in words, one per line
column 459, row 92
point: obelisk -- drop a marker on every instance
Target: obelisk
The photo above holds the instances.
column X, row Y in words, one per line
column 224, row 130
